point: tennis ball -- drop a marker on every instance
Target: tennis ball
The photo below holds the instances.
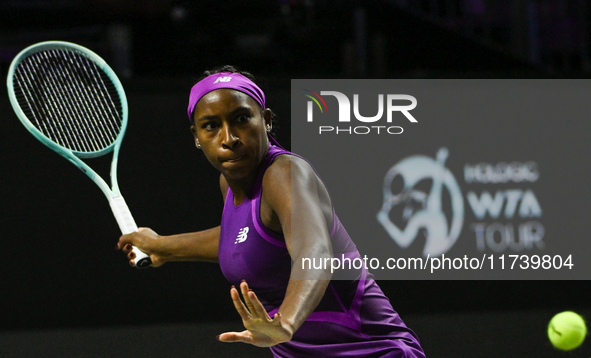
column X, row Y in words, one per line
column 567, row 330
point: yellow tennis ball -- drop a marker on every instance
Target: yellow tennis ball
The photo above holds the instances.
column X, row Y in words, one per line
column 567, row 330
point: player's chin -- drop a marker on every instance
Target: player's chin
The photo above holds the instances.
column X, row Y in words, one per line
column 238, row 169
column 234, row 175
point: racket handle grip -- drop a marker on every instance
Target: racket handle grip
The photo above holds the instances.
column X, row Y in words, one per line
column 127, row 226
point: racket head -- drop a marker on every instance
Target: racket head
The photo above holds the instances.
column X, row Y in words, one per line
column 68, row 98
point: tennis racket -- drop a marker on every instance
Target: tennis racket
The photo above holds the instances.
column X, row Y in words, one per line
column 72, row 101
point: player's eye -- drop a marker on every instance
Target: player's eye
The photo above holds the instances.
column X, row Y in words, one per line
column 242, row 119
column 209, row 126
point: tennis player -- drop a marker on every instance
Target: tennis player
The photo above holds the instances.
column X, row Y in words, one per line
column 277, row 211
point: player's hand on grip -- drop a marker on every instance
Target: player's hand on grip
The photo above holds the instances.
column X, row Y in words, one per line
column 144, row 239
column 261, row 330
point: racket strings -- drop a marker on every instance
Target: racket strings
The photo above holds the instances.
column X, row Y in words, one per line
column 69, row 99
column 73, row 86
column 47, row 110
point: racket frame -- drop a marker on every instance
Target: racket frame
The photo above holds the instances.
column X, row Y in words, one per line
column 113, row 193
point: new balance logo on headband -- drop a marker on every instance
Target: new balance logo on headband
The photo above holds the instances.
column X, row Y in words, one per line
column 223, row 79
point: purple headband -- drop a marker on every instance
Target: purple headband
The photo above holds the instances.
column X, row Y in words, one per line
column 230, row 80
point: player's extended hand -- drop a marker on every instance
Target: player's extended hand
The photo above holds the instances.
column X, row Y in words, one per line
column 143, row 239
column 261, row 330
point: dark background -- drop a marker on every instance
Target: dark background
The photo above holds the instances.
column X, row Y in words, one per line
column 59, row 270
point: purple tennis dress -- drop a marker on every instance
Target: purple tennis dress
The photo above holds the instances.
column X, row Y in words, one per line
column 353, row 319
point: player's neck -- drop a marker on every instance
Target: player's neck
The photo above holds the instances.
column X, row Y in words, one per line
column 241, row 188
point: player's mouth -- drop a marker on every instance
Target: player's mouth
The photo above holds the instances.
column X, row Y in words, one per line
column 233, row 159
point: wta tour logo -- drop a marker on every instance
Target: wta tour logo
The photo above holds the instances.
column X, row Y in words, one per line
column 394, row 103
column 507, row 220
column 420, row 209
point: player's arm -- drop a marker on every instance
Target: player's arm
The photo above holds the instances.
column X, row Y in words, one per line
column 194, row 246
column 303, row 215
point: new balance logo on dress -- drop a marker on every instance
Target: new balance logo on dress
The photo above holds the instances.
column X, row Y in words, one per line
column 223, row 79
column 242, row 235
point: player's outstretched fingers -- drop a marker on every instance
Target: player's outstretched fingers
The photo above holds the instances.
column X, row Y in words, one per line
column 240, row 308
column 257, row 308
column 247, row 299
column 233, row 337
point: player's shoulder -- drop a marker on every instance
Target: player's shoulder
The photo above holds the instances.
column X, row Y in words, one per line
column 289, row 163
column 286, row 167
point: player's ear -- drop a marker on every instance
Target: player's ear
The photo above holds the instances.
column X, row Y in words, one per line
column 268, row 118
column 194, row 131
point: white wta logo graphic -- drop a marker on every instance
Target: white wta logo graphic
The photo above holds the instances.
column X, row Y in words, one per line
column 440, row 235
